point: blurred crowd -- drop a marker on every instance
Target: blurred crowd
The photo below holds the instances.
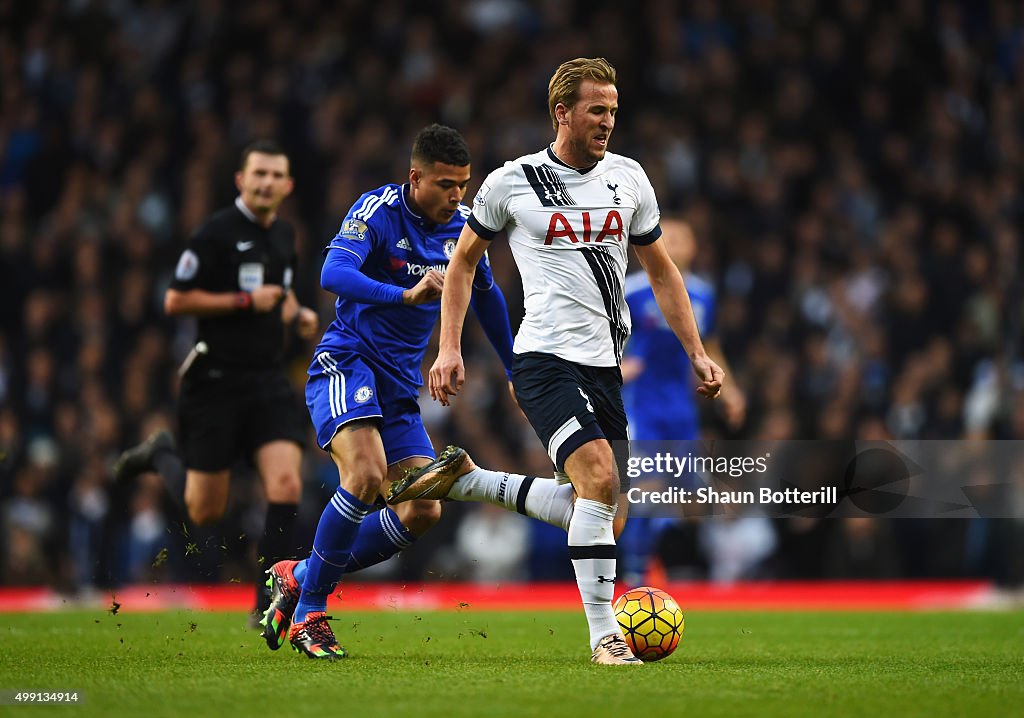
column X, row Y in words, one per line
column 853, row 170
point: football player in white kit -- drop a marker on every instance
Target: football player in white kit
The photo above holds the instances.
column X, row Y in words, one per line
column 569, row 212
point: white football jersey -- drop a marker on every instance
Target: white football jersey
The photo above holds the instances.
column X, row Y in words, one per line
column 568, row 230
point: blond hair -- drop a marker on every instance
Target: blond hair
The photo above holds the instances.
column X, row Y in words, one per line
column 565, row 83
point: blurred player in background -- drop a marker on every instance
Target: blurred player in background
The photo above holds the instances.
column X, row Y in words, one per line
column 387, row 265
column 570, row 210
column 235, row 275
column 658, row 393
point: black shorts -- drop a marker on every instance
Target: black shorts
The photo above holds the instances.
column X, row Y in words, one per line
column 227, row 413
column 570, row 404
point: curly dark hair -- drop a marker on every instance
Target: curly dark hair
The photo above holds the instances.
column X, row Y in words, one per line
column 438, row 143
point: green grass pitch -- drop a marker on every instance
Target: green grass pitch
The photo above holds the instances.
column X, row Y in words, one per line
column 493, row 664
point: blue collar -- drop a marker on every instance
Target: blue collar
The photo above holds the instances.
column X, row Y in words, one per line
column 421, row 220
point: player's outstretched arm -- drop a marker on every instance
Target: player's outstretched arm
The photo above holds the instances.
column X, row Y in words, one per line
column 448, row 373
column 673, row 301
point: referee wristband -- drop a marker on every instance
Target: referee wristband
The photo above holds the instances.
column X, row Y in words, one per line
column 243, row 302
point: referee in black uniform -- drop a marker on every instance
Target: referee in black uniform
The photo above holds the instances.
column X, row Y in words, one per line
column 235, row 275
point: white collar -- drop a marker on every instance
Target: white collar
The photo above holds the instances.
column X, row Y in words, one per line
column 244, row 209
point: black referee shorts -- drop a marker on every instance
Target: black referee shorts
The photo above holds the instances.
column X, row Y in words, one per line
column 228, row 413
column 570, row 404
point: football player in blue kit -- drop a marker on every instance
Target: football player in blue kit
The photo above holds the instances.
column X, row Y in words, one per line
column 650, row 367
column 386, row 264
column 651, row 372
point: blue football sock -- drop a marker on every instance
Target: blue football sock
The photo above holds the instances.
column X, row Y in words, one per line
column 332, row 545
column 635, row 546
column 381, row 536
column 300, row 571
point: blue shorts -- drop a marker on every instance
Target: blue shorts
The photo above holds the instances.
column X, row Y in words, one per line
column 662, row 427
column 345, row 386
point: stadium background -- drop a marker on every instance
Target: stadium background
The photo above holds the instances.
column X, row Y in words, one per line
column 852, row 169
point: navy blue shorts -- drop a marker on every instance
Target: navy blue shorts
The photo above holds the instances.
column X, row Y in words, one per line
column 570, row 404
column 345, row 386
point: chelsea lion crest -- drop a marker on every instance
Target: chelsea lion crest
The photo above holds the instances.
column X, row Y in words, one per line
column 449, row 248
column 363, row 394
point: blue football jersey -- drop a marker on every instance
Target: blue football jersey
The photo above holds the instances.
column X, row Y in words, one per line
column 661, row 403
column 397, row 247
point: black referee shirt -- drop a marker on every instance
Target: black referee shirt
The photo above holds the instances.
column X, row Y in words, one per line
column 231, row 252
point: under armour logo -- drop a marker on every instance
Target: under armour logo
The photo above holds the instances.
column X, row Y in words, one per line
column 602, row 579
column 502, row 487
column 615, row 195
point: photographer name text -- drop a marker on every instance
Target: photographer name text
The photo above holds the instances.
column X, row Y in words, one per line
column 708, row 495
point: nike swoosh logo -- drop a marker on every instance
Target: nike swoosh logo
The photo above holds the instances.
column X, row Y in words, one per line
column 243, row 246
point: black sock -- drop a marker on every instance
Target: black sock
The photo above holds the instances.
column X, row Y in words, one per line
column 172, row 470
column 277, row 544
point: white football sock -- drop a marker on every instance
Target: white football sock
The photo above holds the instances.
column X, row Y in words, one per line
column 551, row 502
column 494, row 487
column 544, row 499
column 592, row 550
